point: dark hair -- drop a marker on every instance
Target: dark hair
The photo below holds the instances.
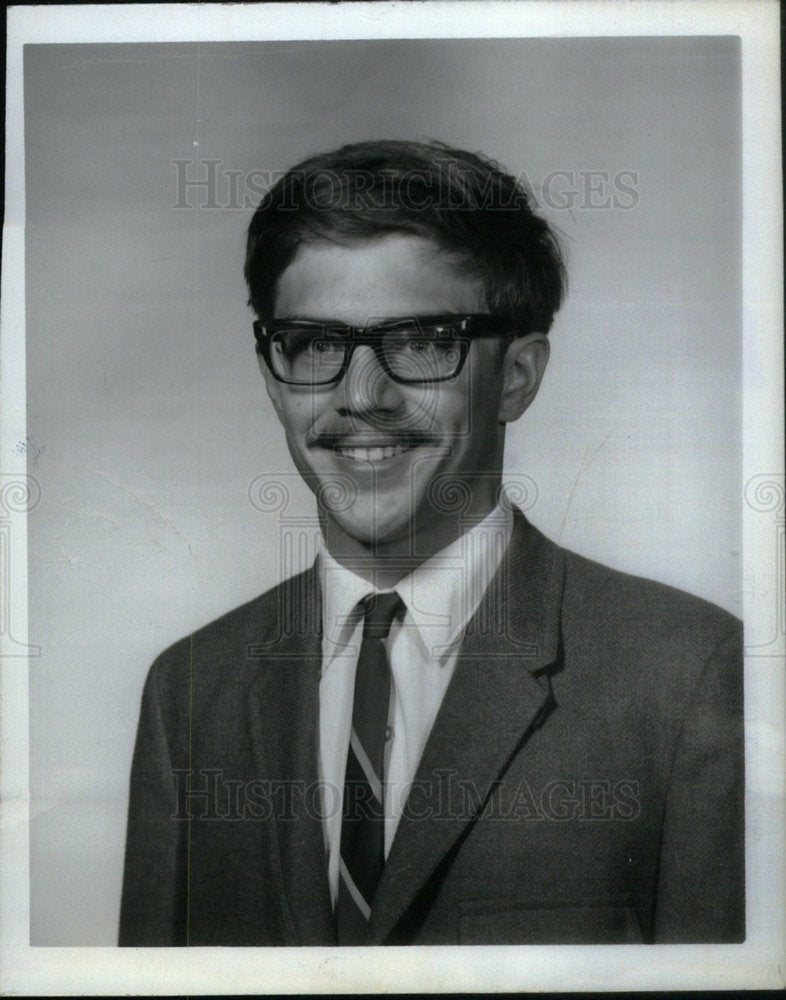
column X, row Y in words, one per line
column 462, row 202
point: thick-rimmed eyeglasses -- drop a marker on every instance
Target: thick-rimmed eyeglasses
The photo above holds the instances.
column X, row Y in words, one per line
column 412, row 350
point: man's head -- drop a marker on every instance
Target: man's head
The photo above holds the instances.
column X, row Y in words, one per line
column 402, row 416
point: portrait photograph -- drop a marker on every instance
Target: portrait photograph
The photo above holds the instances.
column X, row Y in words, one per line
column 392, row 498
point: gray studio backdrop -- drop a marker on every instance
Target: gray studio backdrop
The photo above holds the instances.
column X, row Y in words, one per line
column 149, row 428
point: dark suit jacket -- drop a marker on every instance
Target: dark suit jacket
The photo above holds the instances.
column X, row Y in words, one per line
column 583, row 782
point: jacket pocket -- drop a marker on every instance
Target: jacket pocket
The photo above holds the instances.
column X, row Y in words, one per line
column 611, row 921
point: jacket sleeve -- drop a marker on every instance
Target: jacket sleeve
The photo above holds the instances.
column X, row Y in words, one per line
column 701, row 879
column 154, row 882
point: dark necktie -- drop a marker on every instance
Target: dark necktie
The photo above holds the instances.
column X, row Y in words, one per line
column 363, row 824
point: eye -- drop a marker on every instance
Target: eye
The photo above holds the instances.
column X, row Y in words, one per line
column 444, row 347
column 298, row 344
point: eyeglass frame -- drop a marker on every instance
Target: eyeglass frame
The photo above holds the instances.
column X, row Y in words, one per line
column 373, row 335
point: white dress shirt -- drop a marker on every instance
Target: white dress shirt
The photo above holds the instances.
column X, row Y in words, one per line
column 440, row 596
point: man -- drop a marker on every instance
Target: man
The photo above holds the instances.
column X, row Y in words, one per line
column 448, row 730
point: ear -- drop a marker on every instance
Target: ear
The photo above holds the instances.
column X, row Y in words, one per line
column 523, row 366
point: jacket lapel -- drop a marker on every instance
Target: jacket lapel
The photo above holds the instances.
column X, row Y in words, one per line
column 284, row 724
column 499, row 693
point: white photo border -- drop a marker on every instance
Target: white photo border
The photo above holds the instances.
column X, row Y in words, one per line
column 758, row 963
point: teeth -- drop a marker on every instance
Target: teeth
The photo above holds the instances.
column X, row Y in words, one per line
column 372, row 454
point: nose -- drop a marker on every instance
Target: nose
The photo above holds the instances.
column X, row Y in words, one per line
column 366, row 386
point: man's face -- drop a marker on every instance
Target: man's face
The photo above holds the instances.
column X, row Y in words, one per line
column 383, row 440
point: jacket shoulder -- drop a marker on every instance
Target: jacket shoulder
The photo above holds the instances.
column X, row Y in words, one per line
column 642, row 653
column 631, row 633
column 225, row 651
column 611, row 596
column 594, row 597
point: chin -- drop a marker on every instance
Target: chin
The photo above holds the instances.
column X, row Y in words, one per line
column 374, row 529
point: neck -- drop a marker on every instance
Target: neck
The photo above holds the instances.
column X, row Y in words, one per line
column 384, row 562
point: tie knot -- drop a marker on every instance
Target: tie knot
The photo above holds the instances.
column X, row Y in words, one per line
column 379, row 610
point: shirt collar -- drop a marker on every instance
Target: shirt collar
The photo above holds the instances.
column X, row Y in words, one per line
column 441, row 595
column 341, row 591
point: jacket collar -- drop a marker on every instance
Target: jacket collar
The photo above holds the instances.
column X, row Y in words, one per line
column 284, row 731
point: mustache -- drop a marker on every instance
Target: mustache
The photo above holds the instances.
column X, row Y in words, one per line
column 329, row 437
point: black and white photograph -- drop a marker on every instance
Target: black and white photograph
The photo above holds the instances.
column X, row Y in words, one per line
column 392, row 498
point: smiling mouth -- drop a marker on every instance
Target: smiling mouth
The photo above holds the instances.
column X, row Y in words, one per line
column 376, row 454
